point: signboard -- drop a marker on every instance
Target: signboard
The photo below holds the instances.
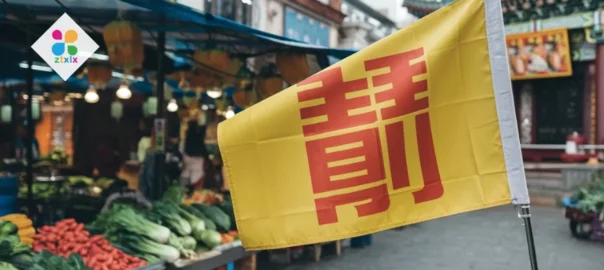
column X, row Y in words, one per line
column 160, row 134
column 539, row 55
column 303, row 28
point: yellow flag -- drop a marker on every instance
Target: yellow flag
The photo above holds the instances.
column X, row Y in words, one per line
column 418, row 126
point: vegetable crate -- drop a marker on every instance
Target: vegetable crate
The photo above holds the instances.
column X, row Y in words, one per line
column 583, row 225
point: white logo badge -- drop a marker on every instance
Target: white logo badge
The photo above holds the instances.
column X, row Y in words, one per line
column 65, row 46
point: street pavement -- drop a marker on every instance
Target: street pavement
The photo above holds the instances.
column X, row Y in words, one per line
column 491, row 239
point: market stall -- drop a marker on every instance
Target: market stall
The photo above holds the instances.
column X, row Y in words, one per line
column 184, row 65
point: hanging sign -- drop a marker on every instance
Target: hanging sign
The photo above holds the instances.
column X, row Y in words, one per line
column 160, row 134
column 418, row 126
column 544, row 54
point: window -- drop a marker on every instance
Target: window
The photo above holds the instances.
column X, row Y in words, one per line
column 236, row 10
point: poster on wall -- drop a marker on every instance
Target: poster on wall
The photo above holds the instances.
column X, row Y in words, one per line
column 539, row 55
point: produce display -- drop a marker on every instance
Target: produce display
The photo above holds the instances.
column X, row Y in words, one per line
column 17, row 224
column 68, row 237
column 129, row 233
column 591, row 197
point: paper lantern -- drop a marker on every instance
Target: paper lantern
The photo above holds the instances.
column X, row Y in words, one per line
column 6, row 113
column 243, row 98
column 214, row 58
column 293, row 67
column 152, row 106
column 117, row 110
column 124, row 43
column 269, row 86
column 232, row 70
column 99, row 73
column 35, row 110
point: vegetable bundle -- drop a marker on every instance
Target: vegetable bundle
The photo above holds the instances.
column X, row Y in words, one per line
column 69, row 237
column 17, row 224
column 591, row 197
column 17, row 254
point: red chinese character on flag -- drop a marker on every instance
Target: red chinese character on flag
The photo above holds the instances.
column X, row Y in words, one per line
column 336, row 106
column 403, row 93
column 344, row 161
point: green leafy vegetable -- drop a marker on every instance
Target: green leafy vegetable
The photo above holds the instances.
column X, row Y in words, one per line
column 8, row 228
column 209, row 238
column 127, row 219
column 222, row 220
column 171, row 218
column 148, row 246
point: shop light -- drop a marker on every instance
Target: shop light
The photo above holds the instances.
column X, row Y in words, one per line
column 99, row 56
column 124, row 92
column 214, row 93
column 204, row 107
column 36, row 67
column 172, row 106
column 229, row 113
column 128, row 77
column 91, row 95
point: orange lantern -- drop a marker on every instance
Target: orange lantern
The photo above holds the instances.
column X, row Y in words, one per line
column 243, row 98
column 99, row 73
column 124, row 43
column 269, row 86
column 293, row 67
column 213, row 58
column 232, row 70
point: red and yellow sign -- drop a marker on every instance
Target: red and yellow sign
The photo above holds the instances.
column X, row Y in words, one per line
column 539, row 55
column 418, row 126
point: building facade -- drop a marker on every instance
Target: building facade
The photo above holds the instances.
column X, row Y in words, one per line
column 363, row 25
column 550, row 109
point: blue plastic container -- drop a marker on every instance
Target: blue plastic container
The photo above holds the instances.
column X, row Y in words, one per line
column 9, row 189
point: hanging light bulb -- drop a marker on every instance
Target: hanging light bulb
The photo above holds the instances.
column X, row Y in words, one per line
column 214, row 93
column 172, row 106
column 229, row 113
column 91, row 96
column 124, row 92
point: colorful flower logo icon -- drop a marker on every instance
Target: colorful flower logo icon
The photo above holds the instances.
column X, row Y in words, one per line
column 64, row 41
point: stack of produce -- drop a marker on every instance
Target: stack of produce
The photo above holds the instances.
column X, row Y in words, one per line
column 13, row 253
column 68, row 237
column 17, row 224
column 590, row 198
column 168, row 231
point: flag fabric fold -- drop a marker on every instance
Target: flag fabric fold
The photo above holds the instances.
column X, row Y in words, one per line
column 417, row 126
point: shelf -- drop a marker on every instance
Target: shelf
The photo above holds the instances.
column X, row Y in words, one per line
column 213, row 259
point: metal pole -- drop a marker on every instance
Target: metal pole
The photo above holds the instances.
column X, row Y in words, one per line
column 525, row 214
column 160, row 131
column 29, row 142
